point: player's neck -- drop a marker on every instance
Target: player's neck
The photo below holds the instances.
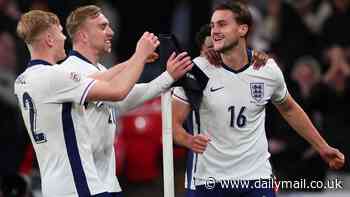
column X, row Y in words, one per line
column 43, row 55
column 237, row 57
column 87, row 52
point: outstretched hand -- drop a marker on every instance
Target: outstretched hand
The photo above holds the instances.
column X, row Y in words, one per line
column 178, row 65
column 259, row 59
column 333, row 157
column 213, row 57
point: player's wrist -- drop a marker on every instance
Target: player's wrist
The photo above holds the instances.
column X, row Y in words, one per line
column 140, row 58
column 189, row 142
column 321, row 147
column 168, row 77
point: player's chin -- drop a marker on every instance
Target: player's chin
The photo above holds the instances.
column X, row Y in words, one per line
column 62, row 56
column 108, row 49
column 217, row 47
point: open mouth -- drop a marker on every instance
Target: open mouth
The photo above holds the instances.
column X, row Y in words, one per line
column 218, row 38
column 108, row 42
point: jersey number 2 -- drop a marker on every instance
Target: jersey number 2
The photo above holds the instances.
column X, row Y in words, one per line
column 241, row 119
column 29, row 105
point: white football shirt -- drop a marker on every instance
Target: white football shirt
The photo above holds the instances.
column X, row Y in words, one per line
column 232, row 113
column 100, row 119
column 102, row 116
column 51, row 104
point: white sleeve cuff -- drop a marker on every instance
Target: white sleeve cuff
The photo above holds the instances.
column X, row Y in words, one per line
column 164, row 81
column 284, row 98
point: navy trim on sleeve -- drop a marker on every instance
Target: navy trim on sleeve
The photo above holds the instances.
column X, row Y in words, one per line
column 85, row 92
column 182, row 99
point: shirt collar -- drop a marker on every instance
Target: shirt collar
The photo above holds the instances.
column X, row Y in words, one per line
column 79, row 55
column 38, row 62
column 250, row 57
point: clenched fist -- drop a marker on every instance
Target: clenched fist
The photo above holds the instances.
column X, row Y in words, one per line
column 146, row 45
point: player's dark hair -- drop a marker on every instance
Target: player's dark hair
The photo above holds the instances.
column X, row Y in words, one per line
column 201, row 35
column 240, row 12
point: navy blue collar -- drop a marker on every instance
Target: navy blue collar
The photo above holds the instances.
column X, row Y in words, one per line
column 250, row 57
column 79, row 55
column 37, row 62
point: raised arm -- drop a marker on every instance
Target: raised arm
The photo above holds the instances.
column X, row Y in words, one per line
column 115, row 70
column 143, row 92
column 108, row 75
column 120, row 85
column 177, row 66
column 297, row 118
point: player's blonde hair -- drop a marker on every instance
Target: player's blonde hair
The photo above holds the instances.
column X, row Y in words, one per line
column 33, row 23
column 77, row 18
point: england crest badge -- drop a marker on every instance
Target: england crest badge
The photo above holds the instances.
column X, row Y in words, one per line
column 257, row 91
column 75, row 76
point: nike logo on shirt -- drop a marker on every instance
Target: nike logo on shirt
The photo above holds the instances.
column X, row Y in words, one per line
column 215, row 89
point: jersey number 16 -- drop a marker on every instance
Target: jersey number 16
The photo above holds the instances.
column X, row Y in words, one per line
column 241, row 119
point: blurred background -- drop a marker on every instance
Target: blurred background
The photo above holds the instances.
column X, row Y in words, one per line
column 310, row 39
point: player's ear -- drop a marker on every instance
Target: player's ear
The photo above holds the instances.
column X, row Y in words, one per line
column 49, row 39
column 243, row 30
column 82, row 36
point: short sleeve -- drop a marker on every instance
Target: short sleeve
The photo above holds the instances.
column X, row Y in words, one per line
column 69, row 87
column 179, row 94
column 280, row 91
